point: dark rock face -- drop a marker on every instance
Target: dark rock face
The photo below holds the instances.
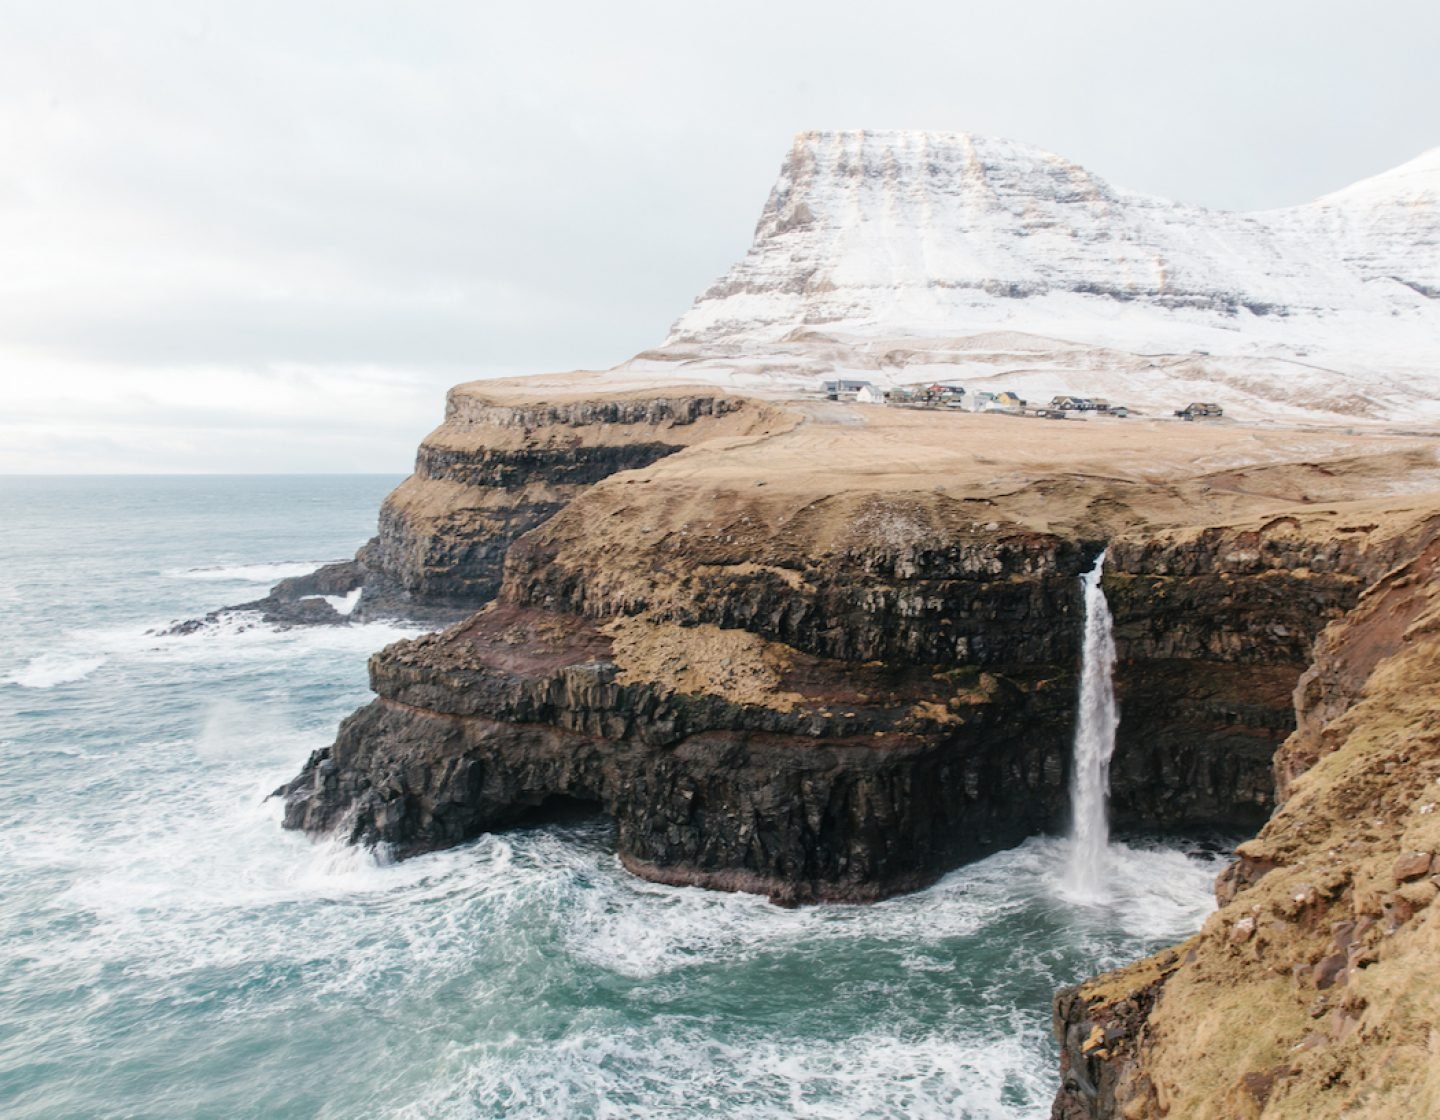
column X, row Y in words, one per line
column 930, row 716
column 477, row 725
column 1095, row 1044
column 492, row 473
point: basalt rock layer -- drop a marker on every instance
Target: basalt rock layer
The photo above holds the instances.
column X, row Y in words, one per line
column 828, row 652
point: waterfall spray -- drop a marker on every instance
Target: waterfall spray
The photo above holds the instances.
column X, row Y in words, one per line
column 1094, row 743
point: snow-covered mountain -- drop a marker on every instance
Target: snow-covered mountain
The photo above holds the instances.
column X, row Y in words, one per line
column 902, row 254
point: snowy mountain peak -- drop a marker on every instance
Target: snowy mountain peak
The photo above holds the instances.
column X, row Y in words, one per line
column 912, row 243
column 1417, row 180
column 923, row 231
column 885, row 168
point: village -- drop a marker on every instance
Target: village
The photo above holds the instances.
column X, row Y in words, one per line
column 1004, row 402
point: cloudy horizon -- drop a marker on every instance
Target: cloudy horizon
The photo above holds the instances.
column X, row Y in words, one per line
column 268, row 238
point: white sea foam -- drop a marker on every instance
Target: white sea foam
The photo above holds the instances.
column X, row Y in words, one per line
column 51, row 669
column 249, row 573
column 343, row 604
column 680, row 1068
column 241, row 636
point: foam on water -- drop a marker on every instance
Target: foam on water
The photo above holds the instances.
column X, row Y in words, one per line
column 266, row 573
column 51, row 669
column 343, row 604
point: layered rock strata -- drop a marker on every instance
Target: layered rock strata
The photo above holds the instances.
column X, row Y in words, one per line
column 496, row 468
column 835, row 656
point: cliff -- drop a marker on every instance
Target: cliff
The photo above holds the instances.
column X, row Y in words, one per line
column 507, row 457
column 1307, row 993
column 820, row 651
column 829, row 652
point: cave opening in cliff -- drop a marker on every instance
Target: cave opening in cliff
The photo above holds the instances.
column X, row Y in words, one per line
column 561, row 809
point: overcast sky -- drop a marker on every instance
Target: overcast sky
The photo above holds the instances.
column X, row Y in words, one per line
column 267, row 236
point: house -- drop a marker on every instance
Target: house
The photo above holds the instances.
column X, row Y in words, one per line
column 1199, row 409
column 1071, row 404
column 843, row 389
column 1008, row 399
column 869, row 394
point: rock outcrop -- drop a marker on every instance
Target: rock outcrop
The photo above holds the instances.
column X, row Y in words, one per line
column 495, row 469
column 834, row 656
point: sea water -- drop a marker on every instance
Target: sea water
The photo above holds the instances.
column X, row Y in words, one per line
column 167, row 950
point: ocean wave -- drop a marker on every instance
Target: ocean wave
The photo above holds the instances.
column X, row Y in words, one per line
column 245, row 636
column 249, row 573
column 51, row 669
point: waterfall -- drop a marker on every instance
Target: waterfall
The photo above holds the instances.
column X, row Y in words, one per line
column 1094, row 742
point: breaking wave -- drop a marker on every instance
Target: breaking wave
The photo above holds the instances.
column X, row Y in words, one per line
column 249, row 573
column 51, row 669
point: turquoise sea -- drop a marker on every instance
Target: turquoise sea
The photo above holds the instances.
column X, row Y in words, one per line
column 166, row 950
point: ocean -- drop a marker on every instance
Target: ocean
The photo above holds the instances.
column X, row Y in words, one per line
column 167, row 950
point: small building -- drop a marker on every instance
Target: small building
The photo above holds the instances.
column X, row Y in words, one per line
column 1008, row 399
column 843, row 389
column 1197, row 410
column 1071, row 404
column 869, row 394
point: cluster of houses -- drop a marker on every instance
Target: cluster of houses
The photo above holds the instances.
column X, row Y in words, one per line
column 954, row 396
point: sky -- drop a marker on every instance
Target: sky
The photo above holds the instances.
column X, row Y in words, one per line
column 266, row 237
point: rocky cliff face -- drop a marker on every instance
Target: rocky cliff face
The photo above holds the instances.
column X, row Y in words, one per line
column 490, row 473
column 783, row 668
column 1305, row 995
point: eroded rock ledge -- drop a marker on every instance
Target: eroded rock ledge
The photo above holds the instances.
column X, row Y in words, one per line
column 828, row 652
column 496, row 468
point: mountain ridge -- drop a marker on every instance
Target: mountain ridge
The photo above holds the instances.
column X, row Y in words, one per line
column 873, row 243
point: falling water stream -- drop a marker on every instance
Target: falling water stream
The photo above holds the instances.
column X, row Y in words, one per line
column 1097, row 719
